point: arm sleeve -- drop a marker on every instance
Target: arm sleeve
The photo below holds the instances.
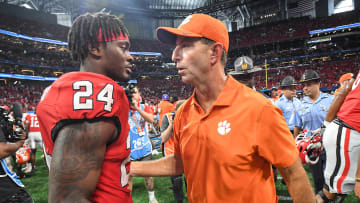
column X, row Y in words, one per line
column 273, row 131
column 164, row 123
column 297, row 119
column 280, row 106
column 176, row 131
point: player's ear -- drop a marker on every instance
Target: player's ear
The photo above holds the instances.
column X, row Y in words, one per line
column 96, row 51
column 216, row 51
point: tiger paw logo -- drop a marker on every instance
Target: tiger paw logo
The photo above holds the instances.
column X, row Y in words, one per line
column 223, row 127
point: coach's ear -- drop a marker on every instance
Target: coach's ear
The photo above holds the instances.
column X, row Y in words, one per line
column 216, row 51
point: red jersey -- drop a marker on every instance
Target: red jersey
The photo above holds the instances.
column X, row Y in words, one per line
column 350, row 109
column 33, row 122
column 153, row 108
column 84, row 95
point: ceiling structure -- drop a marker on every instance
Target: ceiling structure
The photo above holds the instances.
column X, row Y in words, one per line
column 156, row 8
column 248, row 12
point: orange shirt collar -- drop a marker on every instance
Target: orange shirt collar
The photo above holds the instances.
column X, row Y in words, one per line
column 224, row 99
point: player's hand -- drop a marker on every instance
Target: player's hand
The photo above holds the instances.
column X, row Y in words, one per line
column 357, row 189
column 348, row 85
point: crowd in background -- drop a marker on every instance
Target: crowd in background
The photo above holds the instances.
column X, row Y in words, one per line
column 289, row 29
column 25, row 57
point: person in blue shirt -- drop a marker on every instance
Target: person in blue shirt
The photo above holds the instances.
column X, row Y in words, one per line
column 288, row 101
column 310, row 115
column 141, row 146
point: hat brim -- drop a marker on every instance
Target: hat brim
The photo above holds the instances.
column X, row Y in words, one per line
column 289, row 85
column 168, row 35
column 302, row 81
column 253, row 70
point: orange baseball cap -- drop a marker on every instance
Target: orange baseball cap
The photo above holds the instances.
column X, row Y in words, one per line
column 196, row 25
column 346, row 76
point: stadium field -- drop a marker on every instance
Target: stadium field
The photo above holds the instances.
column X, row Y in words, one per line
column 37, row 185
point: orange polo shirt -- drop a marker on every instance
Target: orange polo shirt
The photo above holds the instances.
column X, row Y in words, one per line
column 227, row 153
column 165, row 107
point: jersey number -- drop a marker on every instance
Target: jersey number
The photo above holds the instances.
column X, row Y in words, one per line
column 34, row 122
column 85, row 90
column 124, row 172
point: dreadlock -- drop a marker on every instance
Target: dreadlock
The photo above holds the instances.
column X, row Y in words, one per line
column 85, row 30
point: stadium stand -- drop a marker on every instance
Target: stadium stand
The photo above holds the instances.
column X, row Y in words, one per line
column 26, row 57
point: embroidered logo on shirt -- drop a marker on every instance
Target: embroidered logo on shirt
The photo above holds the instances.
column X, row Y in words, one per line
column 223, row 127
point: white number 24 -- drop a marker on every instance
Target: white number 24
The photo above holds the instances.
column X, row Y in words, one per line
column 104, row 95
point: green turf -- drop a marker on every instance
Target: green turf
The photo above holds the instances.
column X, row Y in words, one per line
column 37, row 185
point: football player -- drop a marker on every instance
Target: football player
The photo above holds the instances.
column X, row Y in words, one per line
column 32, row 128
column 83, row 115
column 341, row 141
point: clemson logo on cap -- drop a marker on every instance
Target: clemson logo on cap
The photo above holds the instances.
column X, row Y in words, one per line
column 187, row 20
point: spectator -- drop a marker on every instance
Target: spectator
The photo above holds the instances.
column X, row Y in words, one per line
column 274, row 94
column 165, row 106
column 141, row 146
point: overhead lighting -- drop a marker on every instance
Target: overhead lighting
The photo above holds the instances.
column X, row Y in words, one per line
column 26, row 6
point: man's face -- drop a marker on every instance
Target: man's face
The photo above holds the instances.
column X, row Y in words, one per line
column 117, row 60
column 246, row 79
column 136, row 95
column 192, row 59
column 311, row 88
column 289, row 92
column 274, row 93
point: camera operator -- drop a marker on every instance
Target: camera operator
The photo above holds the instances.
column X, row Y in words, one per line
column 11, row 189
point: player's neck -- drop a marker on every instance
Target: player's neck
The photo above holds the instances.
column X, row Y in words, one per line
column 87, row 66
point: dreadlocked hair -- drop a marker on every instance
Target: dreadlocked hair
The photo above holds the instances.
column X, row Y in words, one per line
column 85, row 30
